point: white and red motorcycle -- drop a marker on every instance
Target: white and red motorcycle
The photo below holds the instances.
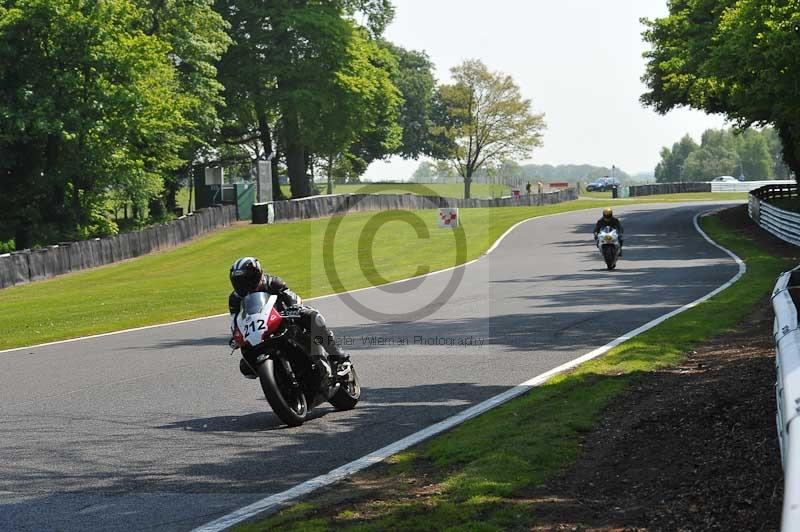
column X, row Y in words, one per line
column 276, row 348
column 608, row 244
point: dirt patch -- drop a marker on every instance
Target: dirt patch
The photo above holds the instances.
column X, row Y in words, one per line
column 692, row 447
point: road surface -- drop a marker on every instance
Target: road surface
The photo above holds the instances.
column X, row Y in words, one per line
column 157, row 430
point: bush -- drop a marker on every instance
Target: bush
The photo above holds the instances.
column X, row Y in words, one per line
column 7, row 246
column 100, row 225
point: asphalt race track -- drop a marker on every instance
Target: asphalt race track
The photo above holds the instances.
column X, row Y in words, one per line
column 157, row 430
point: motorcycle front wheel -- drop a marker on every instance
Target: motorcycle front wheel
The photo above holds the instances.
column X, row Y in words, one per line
column 288, row 402
column 610, row 257
column 349, row 392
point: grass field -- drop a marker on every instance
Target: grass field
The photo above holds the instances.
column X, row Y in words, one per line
column 191, row 280
column 477, row 474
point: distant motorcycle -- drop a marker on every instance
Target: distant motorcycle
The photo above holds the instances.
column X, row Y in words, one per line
column 274, row 345
column 608, row 243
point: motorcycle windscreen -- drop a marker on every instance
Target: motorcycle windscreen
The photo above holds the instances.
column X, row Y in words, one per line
column 254, row 302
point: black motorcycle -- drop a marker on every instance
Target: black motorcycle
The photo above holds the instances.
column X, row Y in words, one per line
column 282, row 355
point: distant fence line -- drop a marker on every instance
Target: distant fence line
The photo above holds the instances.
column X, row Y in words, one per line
column 322, row 206
column 668, row 188
column 747, row 186
column 34, row 265
column 681, row 188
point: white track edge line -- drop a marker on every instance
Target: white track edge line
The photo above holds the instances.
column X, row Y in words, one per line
column 156, row 325
column 279, row 500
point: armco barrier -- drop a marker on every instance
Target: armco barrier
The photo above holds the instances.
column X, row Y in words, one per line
column 33, row 265
column 745, row 186
column 668, row 188
column 787, row 392
column 321, row 206
column 780, row 222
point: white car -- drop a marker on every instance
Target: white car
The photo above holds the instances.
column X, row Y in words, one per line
column 725, row 179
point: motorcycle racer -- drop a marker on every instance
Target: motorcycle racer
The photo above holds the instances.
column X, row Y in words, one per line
column 247, row 276
column 608, row 220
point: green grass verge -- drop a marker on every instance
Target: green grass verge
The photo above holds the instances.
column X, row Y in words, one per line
column 191, row 280
column 596, row 195
column 484, row 466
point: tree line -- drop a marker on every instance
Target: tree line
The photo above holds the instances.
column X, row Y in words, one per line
column 431, row 171
column 738, row 58
column 755, row 154
column 105, row 101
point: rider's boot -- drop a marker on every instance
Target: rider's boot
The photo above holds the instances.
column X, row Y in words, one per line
column 324, row 372
column 340, row 359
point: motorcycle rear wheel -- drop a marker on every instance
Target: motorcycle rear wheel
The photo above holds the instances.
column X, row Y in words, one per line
column 349, row 392
column 288, row 403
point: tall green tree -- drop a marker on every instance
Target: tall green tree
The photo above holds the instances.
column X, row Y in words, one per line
column 87, row 104
column 740, row 58
column 197, row 38
column 420, row 111
column 709, row 162
column 488, row 119
column 671, row 167
column 779, row 168
column 285, row 74
column 363, row 123
column 721, row 152
column 756, row 162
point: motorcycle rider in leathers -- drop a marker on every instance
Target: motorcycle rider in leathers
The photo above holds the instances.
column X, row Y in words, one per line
column 608, row 220
column 247, row 276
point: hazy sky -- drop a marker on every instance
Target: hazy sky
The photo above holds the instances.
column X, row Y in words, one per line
column 579, row 61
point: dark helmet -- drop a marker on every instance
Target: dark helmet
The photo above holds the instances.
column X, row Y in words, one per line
column 246, row 274
column 608, row 213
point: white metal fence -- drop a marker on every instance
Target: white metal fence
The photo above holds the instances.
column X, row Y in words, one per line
column 780, row 222
column 745, row 186
column 787, row 391
column 785, row 225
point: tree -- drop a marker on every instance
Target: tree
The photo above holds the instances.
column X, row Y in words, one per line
column 779, row 168
column 197, row 38
column 418, row 113
column 250, row 115
column 736, row 57
column 487, row 119
column 424, row 172
column 88, row 104
column 365, row 116
column 671, row 167
column 724, row 152
column 709, row 162
column 445, row 169
column 570, row 172
column 288, row 72
column 756, row 162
